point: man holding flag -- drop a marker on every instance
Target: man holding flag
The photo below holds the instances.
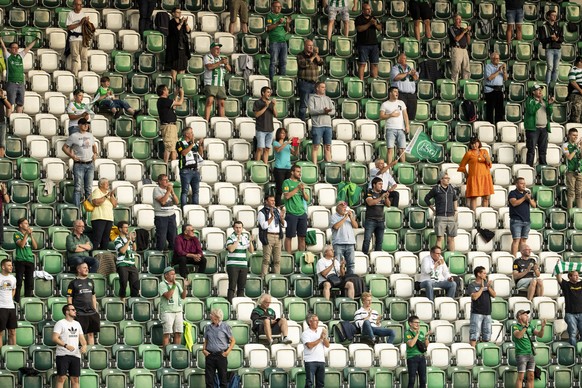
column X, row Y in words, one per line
column 397, row 124
column 572, row 291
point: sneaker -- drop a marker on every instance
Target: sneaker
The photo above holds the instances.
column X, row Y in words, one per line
column 367, row 340
column 287, row 340
column 117, row 114
column 270, row 342
column 136, row 113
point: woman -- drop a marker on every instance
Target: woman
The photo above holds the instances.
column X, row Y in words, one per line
column 479, row 181
column 178, row 44
column 24, row 258
column 282, row 167
column 102, row 218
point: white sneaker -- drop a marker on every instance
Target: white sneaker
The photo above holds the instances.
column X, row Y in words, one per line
column 287, row 340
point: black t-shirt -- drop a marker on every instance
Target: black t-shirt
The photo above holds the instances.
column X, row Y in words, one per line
column 521, row 265
column 520, row 212
column 264, row 123
column 514, row 4
column 375, row 212
column 82, row 291
column 167, row 114
column 368, row 37
column 573, row 296
column 481, row 305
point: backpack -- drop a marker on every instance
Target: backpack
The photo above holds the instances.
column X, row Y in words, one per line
column 162, row 23
column 263, row 232
column 469, row 110
column 235, row 381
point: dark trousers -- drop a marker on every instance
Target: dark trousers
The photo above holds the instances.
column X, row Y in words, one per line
column 410, row 100
column 216, row 363
column 394, row 198
column 494, row 108
column 416, row 365
column 146, row 10
column 538, row 137
column 131, row 274
column 183, row 261
column 237, row 280
column 75, row 260
column 101, row 230
column 165, row 230
column 314, row 371
column 375, row 227
column 280, row 174
column 24, row 269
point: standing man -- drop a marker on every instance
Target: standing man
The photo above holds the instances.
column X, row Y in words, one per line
column 481, row 292
column 404, row 78
column 237, row 265
column 81, row 147
column 81, row 294
column 367, row 41
column 321, row 110
column 495, row 77
column 265, row 112
column 551, row 37
column 76, row 20
column 526, row 274
column 188, row 250
column 382, row 171
column 272, row 219
column 190, row 153
column 265, row 321
column 15, row 86
column 538, row 111
column 172, row 296
column 165, row 201
column 215, row 68
column 79, row 249
column 445, row 207
column 308, row 62
column 314, row 341
column 376, row 200
column 415, row 360
column 520, row 201
column 573, row 156
column 368, row 321
column 575, row 87
column 460, row 39
column 572, row 291
column 24, row 259
column 8, row 320
column 218, row 343
column 125, row 247
column 168, row 119
column 295, row 197
column 5, row 109
column 67, row 335
column 420, row 11
column 514, row 17
column 434, row 273
column 77, row 110
column 337, row 8
column 397, row 124
column 342, row 224
column 241, row 8
column 278, row 25
column 521, row 334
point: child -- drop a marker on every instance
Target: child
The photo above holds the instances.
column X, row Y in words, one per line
column 106, row 98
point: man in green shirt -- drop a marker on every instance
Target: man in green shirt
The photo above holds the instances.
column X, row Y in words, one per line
column 415, row 360
column 24, row 258
column 79, row 247
column 278, row 25
column 172, row 296
column 295, row 198
column 521, row 334
column 573, row 156
column 15, row 86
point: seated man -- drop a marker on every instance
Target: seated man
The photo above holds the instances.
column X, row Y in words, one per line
column 434, row 273
column 265, row 321
column 526, row 272
column 368, row 321
column 79, row 248
column 330, row 275
column 188, row 250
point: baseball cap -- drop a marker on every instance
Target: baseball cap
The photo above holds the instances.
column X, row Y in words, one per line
column 521, row 312
column 168, row 269
column 82, row 121
column 536, row 87
column 214, row 44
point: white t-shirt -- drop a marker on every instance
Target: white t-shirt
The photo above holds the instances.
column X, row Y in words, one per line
column 391, row 106
column 317, row 353
column 74, row 18
column 322, row 264
column 387, row 179
column 69, row 333
column 7, row 285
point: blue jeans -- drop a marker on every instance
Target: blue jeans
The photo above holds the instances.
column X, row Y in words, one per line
column 480, row 324
column 83, row 180
column 348, row 253
column 92, row 262
column 278, row 51
column 429, row 285
column 305, row 89
column 376, row 227
column 165, row 230
column 552, row 61
column 117, row 104
column 574, row 322
column 314, row 371
column 371, row 331
column 416, row 364
column 189, row 178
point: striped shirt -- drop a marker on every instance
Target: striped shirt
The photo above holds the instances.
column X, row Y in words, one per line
column 575, row 74
column 124, row 259
column 338, row 3
column 214, row 77
column 362, row 314
column 238, row 257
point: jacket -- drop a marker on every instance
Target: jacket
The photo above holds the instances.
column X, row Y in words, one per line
column 531, row 107
column 443, row 200
column 546, row 31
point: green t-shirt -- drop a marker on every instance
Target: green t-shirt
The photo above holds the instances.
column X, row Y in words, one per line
column 574, row 164
column 523, row 344
column 102, row 92
column 296, row 204
column 278, row 34
column 174, row 304
column 15, row 68
column 24, row 253
column 413, row 351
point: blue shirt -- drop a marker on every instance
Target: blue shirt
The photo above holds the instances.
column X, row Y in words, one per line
column 217, row 337
column 283, row 157
column 491, row 69
column 520, row 212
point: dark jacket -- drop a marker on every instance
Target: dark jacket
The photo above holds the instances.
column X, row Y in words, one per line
column 546, row 31
column 443, row 200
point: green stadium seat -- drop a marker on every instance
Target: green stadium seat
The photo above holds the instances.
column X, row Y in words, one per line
column 487, row 377
column 151, row 356
column 113, row 308
column 114, row 378
column 154, row 41
column 14, row 357
column 277, row 285
column 122, row 61
column 25, row 334
column 337, row 67
column 296, row 308
column 29, row 169
column 42, row 357
column 33, row 309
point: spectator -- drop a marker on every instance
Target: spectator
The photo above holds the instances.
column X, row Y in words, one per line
column 178, row 44
column 368, row 321
column 514, row 17
column 321, row 110
column 165, row 200
column 282, row 167
column 265, row 112
column 445, row 207
column 495, row 77
column 376, row 200
column 77, row 110
column 295, row 198
column 241, row 8
column 106, row 99
column 168, row 119
column 81, row 294
column 337, row 8
column 551, row 37
column 146, row 10
column 308, row 62
column 8, row 319
column 328, row 270
column 237, row 266
column 481, row 292
column 520, row 201
column 572, row 291
column 381, row 170
column 575, row 97
column 15, row 85
column 573, row 156
column 81, row 147
column 215, row 69
column 104, row 201
column 538, row 111
column 521, row 335
column 272, row 219
column 460, row 38
column 479, row 180
column 278, row 25
column 5, row 109
column 188, row 250
column 404, row 78
column 367, row 41
column 420, row 11
column 434, row 273
column 266, row 322
column 526, row 273
column 4, row 198
column 397, row 124
column 218, row 343
column 342, row 224
column 125, row 247
column 190, row 153
column 79, row 248
column 415, row 360
column 76, row 21
column 171, row 310
column 67, row 335
column 24, row 258
column 314, row 341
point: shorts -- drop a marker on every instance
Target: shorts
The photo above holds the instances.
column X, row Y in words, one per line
column 2, row 135
column 170, row 136
column 172, row 322
column 480, row 324
column 523, row 283
column 68, row 365
column 369, row 53
column 296, row 225
column 317, row 133
column 15, row 93
column 215, row 91
column 275, row 328
column 420, row 11
column 90, row 323
column 8, row 319
column 514, row 16
column 519, row 229
column 445, row 225
column 525, row 362
column 395, row 136
column 239, row 7
column 344, row 12
column 264, row 139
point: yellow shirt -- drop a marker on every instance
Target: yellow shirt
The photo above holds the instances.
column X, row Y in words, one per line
column 103, row 211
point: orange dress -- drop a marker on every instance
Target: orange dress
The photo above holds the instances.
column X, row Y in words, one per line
column 479, row 180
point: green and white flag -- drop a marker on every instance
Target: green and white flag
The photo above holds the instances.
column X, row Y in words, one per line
column 566, row 266
column 422, row 147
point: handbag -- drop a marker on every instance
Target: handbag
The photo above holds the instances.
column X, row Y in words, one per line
column 88, row 205
column 335, row 280
column 421, row 346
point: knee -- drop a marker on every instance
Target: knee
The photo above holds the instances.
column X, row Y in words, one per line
column 326, row 286
column 349, row 286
